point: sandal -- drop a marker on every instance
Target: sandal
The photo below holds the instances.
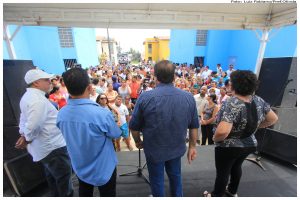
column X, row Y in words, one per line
column 206, row 194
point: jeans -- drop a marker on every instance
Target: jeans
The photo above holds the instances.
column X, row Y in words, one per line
column 228, row 161
column 58, row 172
column 156, row 177
column 106, row 190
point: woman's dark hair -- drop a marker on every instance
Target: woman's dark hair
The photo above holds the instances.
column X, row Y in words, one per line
column 213, row 98
column 54, row 89
column 226, row 83
column 243, row 82
column 164, row 71
column 95, row 81
column 98, row 98
column 76, row 81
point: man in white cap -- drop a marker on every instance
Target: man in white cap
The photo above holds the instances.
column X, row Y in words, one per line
column 39, row 133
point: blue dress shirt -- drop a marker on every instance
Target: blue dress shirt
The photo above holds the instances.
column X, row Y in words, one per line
column 163, row 115
column 88, row 130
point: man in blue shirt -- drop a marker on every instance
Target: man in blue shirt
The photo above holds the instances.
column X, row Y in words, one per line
column 88, row 130
column 163, row 115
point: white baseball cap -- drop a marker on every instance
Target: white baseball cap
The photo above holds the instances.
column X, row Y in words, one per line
column 36, row 74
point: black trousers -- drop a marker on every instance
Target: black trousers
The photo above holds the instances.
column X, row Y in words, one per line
column 106, row 190
column 207, row 134
column 228, row 161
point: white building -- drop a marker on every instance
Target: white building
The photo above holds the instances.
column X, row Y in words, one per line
column 102, row 47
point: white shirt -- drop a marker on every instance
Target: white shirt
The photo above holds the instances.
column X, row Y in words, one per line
column 217, row 91
column 201, row 102
column 93, row 98
column 229, row 72
column 38, row 124
column 123, row 111
column 219, row 71
column 205, row 74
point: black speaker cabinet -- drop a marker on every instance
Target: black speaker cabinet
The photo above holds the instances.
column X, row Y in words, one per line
column 23, row 174
column 273, row 79
column 278, row 145
column 14, row 87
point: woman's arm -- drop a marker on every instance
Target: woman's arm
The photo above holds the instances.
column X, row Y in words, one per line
column 270, row 119
column 222, row 131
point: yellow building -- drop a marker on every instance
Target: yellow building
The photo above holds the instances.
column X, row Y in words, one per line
column 157, row 48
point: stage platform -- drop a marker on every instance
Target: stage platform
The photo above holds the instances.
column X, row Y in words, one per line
column 279, row 179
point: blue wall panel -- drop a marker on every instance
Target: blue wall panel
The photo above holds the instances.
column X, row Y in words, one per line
column 182, row 45
column 218, row 44
column 85, row 44
column 282, row 42
column 68, row 53
column 44, row 46
column 244, row 45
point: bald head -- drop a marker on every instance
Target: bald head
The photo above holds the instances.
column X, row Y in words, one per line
column 164, row 71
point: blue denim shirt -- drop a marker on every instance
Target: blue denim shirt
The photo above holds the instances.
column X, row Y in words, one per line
column 163, row 115
column 88, row 130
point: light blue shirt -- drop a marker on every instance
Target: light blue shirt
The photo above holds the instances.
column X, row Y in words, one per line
column 88, row 130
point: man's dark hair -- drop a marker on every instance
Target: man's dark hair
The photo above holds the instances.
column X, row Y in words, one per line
column 95, row 81
column 164, row 71
column 243, row 82
column 76, row 81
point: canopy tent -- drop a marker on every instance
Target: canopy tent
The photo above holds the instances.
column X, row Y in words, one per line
column 203, row 16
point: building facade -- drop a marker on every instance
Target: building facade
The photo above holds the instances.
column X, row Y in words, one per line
column 157, row 48
column 53, row 49
column 103, row 49
column 237, row 47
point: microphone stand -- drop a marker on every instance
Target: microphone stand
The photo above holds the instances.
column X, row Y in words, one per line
column 139, row 172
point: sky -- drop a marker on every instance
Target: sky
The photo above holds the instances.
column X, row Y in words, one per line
column 132, row 38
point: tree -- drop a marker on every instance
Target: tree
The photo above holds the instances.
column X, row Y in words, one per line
column 136, row 55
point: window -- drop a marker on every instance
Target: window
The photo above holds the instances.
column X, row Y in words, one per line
column 201, row 37
column 65, row 37
column 69, row 63
column 149, row 48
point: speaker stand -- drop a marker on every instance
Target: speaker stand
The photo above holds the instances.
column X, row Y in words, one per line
column 256, row 160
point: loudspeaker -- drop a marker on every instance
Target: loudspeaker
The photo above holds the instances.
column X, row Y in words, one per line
column 273, row 79
column 277, row 144
column 287, row 112
column 14, row 86
column 10, row 137
column 23, row 174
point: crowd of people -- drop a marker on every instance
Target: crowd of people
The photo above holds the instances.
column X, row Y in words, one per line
column 210, row 89
column 94, row 108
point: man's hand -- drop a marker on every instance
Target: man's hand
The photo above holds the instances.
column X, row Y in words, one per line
column 21, row 143
column 192, row 154
column 139, row 145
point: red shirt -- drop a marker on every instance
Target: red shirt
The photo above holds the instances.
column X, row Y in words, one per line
column 134, row 86
column 59, row 99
